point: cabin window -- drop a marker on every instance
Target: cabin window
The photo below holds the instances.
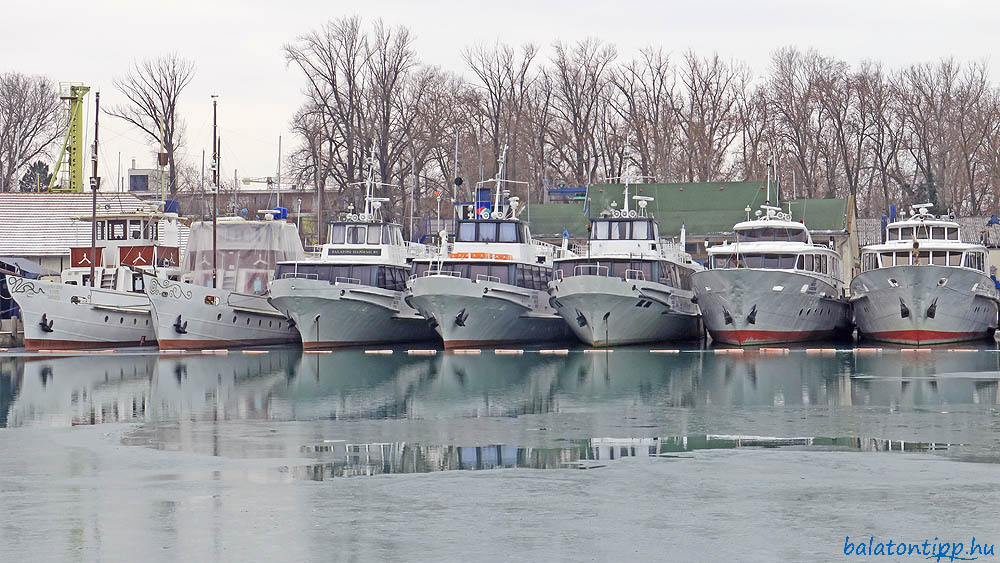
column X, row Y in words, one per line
column 893, row 234
column 100, row 230
column 386, row 237
column 466, row 232
column 374, row 234
column 641, row 230
column 117, row 229
column 134, row 230
column 905, row 233
column 937, row 233
column 952, row 234
column 923, row 258
column 487, row 232
column 974, row 260
column 939, row 258
column 508, row 232
column 601, row 231
column 355, row 234
column 954, row 258
column 391, row 277
column 337, row 234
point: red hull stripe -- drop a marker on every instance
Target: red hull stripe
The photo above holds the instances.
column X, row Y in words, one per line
column 741, row 337
column 32, row 344
column 924, row 336
column 334, row 344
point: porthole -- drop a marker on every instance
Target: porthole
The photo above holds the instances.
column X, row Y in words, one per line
column 121, row 321
column 219, row 318
column 248, row 321
column 279, row 325
column 800, row 312
column 147, row 322
column 234, row 319
column 105, row 318
column 135, row 321
column 269, row 325
column 260, row 322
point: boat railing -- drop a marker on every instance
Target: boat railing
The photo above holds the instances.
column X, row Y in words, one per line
column 451, row 273
column 590, row 270
column 484, row 277
column 299, row 275
column 557, row 275
column 339, row 279
column 635, row 275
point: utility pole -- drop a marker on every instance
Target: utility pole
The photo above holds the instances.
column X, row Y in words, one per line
column 215, row 193
column 95, row 184
column 279, row 171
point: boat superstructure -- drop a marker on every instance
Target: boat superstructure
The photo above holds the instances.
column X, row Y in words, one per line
column 771, row 284
column 195, row 313
column 626, row 285
column 352, row 293
column 923, row 285
column 132, row 245
column 490, row 288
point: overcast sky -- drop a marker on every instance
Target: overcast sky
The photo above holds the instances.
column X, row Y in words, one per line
column 237, row 47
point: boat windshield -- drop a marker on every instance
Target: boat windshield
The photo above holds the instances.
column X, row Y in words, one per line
column 759, row 234
column 622, row 229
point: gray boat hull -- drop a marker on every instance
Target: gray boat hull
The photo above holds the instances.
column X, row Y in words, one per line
column 754, row 306
column 927, row 304
column 611, row 311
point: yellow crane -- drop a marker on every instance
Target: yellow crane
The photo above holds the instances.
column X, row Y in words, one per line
column 72, row 93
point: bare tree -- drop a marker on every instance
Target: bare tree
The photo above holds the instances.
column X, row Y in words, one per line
column 153, row 89
column 30, row 120
column 709, row 114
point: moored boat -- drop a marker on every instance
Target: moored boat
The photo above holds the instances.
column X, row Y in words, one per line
column 772, row 285
column 923, row 285
column 490, row 289
column 352, row 293
column 626, row 285
column 111, row 309
column 233, row 311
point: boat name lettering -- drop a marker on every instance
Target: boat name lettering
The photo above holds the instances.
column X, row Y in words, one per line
column 481, row 256
column 354, row 252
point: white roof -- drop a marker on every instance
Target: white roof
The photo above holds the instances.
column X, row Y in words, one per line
column 33, row 224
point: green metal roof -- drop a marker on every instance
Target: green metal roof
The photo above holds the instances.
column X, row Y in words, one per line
column 704, row 208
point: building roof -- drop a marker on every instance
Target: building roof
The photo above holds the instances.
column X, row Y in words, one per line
column 703, row 208
column 41, row 224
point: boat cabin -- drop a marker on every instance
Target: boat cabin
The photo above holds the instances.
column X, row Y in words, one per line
column 361, row 235
column 492, row 231
column 655, row 270
column 780, row 231
column 818, row 262
column 373, row 275
column 623, row 229
column 924, row 240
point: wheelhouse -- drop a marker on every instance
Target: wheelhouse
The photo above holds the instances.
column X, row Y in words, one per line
column 354, row 233
column 974, row 259
column 491, row 231
column 623, row 229
column 792, row 232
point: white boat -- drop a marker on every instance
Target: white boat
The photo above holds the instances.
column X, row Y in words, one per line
column 627, row 285
column 491, row 288
column 923, row 285
column 352, row 293
column 132, row 247
column 233, row 312
column 772, row 285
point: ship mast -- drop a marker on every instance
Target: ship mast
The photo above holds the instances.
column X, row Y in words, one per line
column 215, row 193
column 95, row 184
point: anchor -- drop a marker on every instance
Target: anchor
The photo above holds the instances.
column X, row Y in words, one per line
column 752, row 317
column 46, row 324
column 932, row 310
column 461, row 317
column 580, row 319
column 904, row 311
column 432, row 322
column 180, row 327
column 726, row 316
column 291, row 321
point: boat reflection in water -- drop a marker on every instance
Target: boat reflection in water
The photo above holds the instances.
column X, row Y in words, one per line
column 353, row 413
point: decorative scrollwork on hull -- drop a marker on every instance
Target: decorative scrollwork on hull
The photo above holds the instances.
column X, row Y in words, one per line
column 168, row 288
column 23, row 285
